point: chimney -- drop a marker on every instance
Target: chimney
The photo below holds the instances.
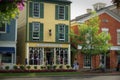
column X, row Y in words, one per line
column 89, row 10
column 98, row 6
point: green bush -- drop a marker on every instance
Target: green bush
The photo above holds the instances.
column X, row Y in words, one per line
column 7, row 67
column 28, row 67
column 22, row 67
column 48, row 67
column 35, row 67
column 67, row 66
column 61, row 66
column 42, row 67
column 54, row 66
column 15, row 67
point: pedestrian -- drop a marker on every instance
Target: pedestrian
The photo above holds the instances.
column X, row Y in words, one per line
column 75, row 65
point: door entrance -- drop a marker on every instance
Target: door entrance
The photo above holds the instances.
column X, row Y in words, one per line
column 49, row 56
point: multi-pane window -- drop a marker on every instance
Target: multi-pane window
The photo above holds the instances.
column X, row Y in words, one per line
column 118, row 36
column 61, row 56
column 61, row 31
column 61, row 12
column 2, row 27
column 35, row 56
column 36, row 31
column 105, row 30
column 36, row 9
column 6, row 58
column 87, row 61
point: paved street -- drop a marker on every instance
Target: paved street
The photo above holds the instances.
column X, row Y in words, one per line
column 110, row 77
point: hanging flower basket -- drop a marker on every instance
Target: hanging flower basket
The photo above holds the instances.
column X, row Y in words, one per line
column 9, row 9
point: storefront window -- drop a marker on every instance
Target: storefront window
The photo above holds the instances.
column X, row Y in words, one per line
column 6, row 58
column 61, row 56
column 35, row 56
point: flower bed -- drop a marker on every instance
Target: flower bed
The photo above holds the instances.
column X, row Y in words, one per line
column 36, row 71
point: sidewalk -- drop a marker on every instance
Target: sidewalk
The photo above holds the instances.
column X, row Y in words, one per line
column 100, row 73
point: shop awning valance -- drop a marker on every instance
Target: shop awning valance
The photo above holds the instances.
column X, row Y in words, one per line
column 7, row 50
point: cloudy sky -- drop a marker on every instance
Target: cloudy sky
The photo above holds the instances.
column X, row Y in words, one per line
column 78, row 7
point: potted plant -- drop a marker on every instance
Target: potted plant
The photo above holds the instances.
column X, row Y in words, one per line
column 35, row 67
column 28, row 67
column 54, row 67
column 61, row 66
column 15, row 67
column 7, row 67
column 22, row 67
column 67, row 66
column 48, row 67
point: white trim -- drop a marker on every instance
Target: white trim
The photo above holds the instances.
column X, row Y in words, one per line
column 43, row 57
column 118, row 36
column 111, row 48
column 112, row 16
column 27, row 52
column 105, row 29
column 69, row 56
column 7, row 44
column 99, row 13
column 118, row 30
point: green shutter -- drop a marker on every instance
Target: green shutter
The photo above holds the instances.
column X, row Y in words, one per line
column 41, row 31
column 66, row 12
column 30, row 31
column 57, row 35
column 66, row 33
column 30, row 9
column 41, row 10
column 56, row 12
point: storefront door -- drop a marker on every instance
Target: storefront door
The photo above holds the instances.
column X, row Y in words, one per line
column 49, row 56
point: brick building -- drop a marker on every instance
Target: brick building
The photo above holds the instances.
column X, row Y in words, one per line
column 110, row 22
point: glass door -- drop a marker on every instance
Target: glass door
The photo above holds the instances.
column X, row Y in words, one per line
column 49, row 56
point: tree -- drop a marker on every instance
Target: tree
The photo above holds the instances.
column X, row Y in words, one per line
column 9, row 9
column 117, row 3
column 91, row 40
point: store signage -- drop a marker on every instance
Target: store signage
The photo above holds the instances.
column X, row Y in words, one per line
column 49, row 45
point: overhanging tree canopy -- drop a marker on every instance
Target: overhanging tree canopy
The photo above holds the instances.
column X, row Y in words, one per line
column 10, row 9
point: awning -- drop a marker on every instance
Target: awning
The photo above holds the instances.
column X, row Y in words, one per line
column 7, row 49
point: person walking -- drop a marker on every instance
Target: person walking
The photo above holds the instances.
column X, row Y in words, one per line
column 75, row 64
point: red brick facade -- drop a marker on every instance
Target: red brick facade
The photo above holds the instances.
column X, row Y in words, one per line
column 111, row 59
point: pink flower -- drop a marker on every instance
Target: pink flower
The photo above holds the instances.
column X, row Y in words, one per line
column 20, row 6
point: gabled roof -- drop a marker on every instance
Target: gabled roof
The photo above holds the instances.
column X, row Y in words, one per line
column 110, row 10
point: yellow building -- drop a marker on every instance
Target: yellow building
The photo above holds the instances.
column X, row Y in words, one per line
column 43, row 33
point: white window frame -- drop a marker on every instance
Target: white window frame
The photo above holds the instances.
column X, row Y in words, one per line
column 60, row 32
column 36, row 11
column 39, row 53
column 5, row 28
column 33, row 30
column 106, row 30
column 118, row 36
column 87, row 60
column 61, row 13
